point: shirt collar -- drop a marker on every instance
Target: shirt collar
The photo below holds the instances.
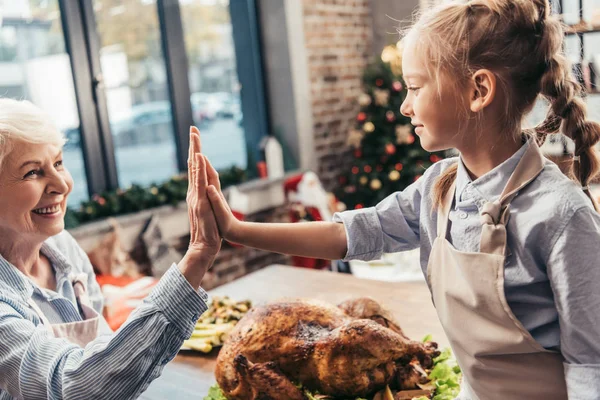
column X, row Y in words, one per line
column 489, row 186
column 21, row 284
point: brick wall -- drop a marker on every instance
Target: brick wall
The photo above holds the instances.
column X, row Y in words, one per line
column 339, row 35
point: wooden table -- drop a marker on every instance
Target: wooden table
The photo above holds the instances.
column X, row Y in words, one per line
column 190, row 375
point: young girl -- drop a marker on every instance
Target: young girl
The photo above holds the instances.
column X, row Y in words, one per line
column 509, row 245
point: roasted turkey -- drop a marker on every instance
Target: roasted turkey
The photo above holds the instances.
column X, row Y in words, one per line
column 347, row 351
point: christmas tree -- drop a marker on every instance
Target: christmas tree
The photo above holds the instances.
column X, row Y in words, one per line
column 387, row 154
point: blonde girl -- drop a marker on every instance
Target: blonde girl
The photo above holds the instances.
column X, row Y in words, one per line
column 509, row 245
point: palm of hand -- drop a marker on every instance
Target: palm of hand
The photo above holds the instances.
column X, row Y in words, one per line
column 204, row 231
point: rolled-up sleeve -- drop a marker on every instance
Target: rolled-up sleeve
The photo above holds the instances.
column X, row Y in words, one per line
column 574, row 273
column 35, row 365
column 389, row 227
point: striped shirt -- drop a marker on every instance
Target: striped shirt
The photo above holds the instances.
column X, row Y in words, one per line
column 121, row 365
column 551, row 272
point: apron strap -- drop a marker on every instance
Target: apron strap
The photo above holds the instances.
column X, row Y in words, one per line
column 81, row 297
column 495, row 215
column 444, row 212
column 40, row 314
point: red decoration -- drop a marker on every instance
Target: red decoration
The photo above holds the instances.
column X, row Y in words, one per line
column 99, row 199
column 358, row 153
column 434, row 158
column 308, row 213
column 355, row 170
column 368, row 169
column 361, row 117
column 379, row 82
column 410, row 139
column 261, row 166
column 358, row 206
column 390, row 116
column 343, row 180
column 397, row 86
column 379, row 168
column 417, row 178
column 398, row 167
column 390, row 148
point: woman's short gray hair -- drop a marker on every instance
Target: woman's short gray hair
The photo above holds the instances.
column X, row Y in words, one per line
column 22, row 121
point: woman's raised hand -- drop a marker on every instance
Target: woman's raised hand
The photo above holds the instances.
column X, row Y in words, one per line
column 205, row 241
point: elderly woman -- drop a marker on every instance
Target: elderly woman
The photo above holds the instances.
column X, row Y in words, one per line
column 54, row 342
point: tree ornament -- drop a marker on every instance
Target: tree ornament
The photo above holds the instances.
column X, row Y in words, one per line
column 398, row 167
column 434, row 158
column 369, row 127
column 379, row 82
column 390, row 116
column 363, row 180
column 397, row 86
column 382, row 97
column 361, row 117
column 394, row 175
column 390, row 149
column 367, row 169
column 358, row 206
column 358, row 153
column 364, row 100
column 376, row 184
column 355, row 138
column 355, row 170
column 403, row 134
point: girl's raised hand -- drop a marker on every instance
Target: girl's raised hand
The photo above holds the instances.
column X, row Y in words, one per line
column 226, row 221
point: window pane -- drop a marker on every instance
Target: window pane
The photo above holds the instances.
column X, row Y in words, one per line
column 136, row 86
column 213, row 81
column 32, row 48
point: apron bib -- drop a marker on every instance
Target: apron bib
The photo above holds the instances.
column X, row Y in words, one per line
column 499, row 358
column 78, row 332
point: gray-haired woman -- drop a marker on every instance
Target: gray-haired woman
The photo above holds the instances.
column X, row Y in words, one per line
column 54, row 342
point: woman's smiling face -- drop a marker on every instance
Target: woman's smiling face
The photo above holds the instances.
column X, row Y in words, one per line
column 34, row 186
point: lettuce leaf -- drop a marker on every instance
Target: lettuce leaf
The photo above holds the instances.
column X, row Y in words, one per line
column 215, row 393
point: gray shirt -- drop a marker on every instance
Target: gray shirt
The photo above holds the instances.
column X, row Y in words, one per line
column 551, row 273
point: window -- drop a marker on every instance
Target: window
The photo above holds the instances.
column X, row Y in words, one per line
column 118, row 89
column 213, row 78
column 137, row 92
column 32, row 48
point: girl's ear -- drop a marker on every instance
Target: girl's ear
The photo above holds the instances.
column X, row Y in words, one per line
column 483, row 89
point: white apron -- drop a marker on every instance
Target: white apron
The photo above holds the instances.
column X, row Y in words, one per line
column 498, row 356
column 77, row 332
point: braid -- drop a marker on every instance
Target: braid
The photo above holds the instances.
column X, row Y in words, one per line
column 567, row 108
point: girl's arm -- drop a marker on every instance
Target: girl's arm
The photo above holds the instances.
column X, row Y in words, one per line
column 325, row 240
column 573, row 271
column 311, row 239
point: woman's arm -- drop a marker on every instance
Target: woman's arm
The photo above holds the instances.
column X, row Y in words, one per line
column 34, row 364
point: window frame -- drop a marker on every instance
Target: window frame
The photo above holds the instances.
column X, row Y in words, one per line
column 83, row 46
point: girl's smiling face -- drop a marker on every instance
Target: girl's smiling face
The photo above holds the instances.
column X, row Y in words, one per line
column 436, row 107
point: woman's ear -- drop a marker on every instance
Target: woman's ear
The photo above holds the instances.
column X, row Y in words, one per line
column 483, row 89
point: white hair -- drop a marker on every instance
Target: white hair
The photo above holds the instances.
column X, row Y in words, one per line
column 21, row 121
